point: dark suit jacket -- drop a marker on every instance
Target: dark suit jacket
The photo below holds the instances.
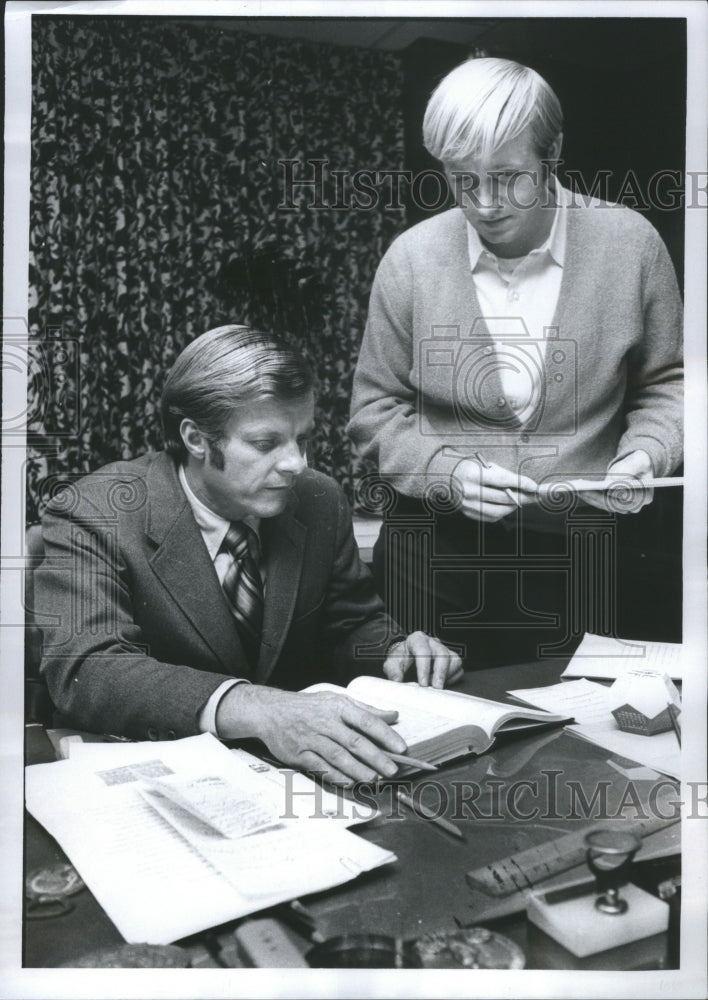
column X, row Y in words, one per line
column 141, row 632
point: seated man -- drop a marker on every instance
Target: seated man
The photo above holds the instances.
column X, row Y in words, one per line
column 178, row 578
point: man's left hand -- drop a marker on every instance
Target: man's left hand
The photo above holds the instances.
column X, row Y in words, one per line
column 435, row 664
column 635, row 466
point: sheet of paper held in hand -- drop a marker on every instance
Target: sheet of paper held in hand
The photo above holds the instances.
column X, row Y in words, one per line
column 179, row 836
column 587, row 702
column 605, row 657
column 612, row 482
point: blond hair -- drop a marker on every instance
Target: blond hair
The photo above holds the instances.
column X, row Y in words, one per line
column 486, row 102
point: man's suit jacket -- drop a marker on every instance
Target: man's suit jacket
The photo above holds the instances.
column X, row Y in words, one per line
column 137, row 631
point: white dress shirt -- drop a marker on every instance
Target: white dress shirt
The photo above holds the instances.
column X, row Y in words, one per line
column 527, row 289
column 213, row 529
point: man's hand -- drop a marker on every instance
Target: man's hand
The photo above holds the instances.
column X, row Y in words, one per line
column 435, row 664
column 622, row 498
column 491, row 492
column 330, row 734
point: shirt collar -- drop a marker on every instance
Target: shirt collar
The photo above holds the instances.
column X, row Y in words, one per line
column 554, row 244
column 212, row 526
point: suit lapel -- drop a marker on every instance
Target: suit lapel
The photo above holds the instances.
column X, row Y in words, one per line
column 283, row 540
column 182, row 564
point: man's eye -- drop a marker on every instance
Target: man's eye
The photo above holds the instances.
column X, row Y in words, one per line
column 264, row 445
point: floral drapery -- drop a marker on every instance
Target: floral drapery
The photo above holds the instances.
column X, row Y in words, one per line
column 158, row 211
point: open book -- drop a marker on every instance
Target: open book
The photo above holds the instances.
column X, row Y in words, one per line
column 441, row 725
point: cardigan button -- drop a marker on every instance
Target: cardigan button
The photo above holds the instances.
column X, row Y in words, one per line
column 153, row 733
column 525, row 438
column 501, row 402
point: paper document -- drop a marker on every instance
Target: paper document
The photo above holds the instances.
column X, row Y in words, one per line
column 606, row 657
column 588, row 703
column 613, row 482
column 144, row 826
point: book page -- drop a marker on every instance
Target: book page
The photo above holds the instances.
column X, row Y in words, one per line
column 456, row 708
column 607, row 657
column 419, row 721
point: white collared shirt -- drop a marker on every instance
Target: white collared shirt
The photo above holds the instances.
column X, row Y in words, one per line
column 526, row 289
column 213, row 529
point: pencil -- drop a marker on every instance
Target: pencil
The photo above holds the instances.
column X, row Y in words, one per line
column 445, row 824
column 486, row 465
column 402, row 758
column 674, row 716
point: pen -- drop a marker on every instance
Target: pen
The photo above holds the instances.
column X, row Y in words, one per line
column 406, row 800
column 402, row 758
column 674, row 716
column 486, row 465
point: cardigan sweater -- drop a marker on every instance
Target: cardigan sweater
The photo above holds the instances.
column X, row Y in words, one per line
column 427, row 390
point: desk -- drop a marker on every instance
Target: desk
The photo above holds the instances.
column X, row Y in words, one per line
column 425, row 890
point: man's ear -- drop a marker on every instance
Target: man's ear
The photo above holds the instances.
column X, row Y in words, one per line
column 555, row 151
column 194, row 441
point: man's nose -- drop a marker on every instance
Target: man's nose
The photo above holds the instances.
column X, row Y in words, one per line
column 292, row 460
column 489, row 194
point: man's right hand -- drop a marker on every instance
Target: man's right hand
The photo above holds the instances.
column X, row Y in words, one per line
column 330, row 734
column 491, row 492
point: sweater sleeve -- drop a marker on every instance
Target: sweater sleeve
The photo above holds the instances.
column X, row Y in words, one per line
column 654, row 402
column 387, row 421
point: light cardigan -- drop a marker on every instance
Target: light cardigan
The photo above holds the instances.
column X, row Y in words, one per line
column 427, row 390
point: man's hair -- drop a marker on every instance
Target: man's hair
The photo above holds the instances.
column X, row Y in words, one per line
column 223, row 369
column 486, row 102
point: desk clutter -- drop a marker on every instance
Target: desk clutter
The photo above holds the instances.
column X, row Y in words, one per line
column 220, row 833
column 586, row 923
column 637, row 717
column 198, row 854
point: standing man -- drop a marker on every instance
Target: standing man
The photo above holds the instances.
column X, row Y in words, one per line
column 518, row 337
column 197, row 589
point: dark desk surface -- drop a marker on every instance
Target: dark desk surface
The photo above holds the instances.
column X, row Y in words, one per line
column 425, row 890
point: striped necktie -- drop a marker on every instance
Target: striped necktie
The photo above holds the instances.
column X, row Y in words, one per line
column 243, row 586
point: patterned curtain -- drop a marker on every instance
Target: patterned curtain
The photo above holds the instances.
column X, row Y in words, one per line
column 157, row 212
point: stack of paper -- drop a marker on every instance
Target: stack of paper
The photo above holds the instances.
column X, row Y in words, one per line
column 176, row 837
column 606, row 657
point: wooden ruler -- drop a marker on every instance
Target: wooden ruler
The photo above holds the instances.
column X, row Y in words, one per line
column 523, row 870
